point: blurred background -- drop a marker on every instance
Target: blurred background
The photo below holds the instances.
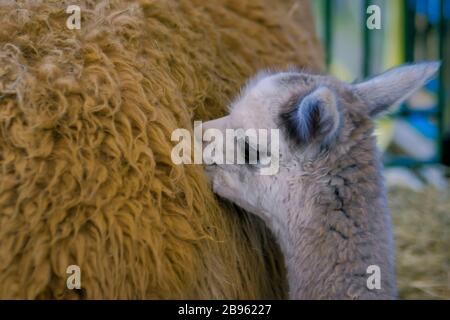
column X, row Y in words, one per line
column 415, row 136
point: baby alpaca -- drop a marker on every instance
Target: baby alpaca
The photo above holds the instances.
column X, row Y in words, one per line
column 327, row 205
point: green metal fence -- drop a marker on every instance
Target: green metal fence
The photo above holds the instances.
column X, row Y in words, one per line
column 421, row 27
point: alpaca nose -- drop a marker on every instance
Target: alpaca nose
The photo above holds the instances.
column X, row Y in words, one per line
column 219, row 127
column 218, row 124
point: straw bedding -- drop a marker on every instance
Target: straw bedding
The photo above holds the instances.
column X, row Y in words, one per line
column 422, row 232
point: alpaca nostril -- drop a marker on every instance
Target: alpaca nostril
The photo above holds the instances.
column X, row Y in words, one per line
column 208, row 160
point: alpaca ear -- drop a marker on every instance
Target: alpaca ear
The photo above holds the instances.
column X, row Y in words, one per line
column 317, row 117
column 395, row 86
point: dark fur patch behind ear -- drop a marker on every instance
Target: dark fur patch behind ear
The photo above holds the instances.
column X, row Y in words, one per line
column 288, row 122
column 313, row 118
column 302, row 128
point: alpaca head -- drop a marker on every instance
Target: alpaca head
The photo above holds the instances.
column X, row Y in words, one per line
column 324, row 125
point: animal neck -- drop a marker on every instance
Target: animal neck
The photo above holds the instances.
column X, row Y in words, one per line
column 342, row 229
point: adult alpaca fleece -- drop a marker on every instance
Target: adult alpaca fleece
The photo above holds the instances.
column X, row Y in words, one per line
column 86, row 118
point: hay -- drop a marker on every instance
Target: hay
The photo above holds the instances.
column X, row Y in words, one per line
column 85, row 124
column 422, row 231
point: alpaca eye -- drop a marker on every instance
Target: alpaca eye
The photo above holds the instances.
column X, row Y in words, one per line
column 249, row 151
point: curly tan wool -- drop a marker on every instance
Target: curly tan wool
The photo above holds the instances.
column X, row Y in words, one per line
column 85, row 122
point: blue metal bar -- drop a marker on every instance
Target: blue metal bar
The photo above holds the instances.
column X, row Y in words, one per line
column 441, row 92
